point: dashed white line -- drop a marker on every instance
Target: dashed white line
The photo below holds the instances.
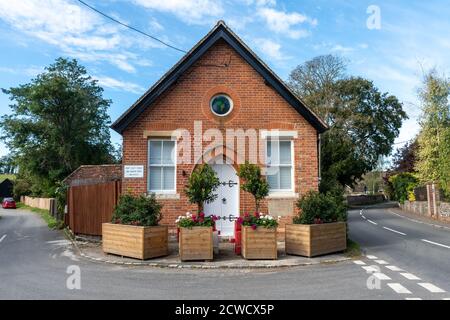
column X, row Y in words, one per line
column 359, row 262
column 394, row 268
column 3, row 237
column 409, row 276
column 418, row 221
column 371, row 269
column 381, row 262
column 371, row 257
column 436, row 243
column 364, row 217
column 403, row 234
column 372, row 222
column 397, row 287
column 381, row 276
column 413, row 298
column 431, row 287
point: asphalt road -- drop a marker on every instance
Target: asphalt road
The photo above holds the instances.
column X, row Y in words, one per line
column 34, row 262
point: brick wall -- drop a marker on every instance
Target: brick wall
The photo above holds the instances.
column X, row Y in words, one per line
column 256, row 105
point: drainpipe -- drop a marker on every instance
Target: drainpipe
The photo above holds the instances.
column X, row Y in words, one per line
column 319, row 156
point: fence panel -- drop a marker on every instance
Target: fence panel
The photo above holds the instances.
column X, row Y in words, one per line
column 91, row 205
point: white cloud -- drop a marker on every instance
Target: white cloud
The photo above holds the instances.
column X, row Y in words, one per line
column 119, row 85
column 341, row 49
column 286, row 23
column 190, row 11
column 270, row 48
column 76, row 30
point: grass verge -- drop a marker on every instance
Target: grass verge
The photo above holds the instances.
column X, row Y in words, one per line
column 353, row 249
column 52, row 223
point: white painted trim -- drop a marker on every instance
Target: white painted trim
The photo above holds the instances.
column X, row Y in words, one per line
column 291, row 191
column 279, row 133
column 282, row 195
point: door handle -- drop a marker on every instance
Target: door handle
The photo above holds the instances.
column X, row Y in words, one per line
column 224, row 200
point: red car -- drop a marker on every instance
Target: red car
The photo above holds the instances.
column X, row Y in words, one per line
column 8, row 203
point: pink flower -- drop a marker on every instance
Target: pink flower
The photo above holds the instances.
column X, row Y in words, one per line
column 240, row 220
column 246, row 215
column 257, row 214
column 201, row 215
column 254, row 226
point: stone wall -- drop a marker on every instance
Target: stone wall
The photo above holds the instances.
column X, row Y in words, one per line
column 417, row 207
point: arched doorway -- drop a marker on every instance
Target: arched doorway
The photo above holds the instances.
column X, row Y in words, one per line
column 227, row 201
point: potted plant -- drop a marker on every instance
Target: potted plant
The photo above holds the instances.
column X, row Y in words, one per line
column 196, row 230
column 134, row 231
column 259, row 231
column 320, row 228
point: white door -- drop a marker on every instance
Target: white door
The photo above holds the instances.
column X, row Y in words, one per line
column 227, row 201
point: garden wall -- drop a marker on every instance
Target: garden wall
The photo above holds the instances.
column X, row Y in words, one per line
column 365, row 199
column 417, row 207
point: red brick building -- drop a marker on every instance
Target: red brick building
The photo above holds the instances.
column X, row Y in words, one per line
column 210, row 107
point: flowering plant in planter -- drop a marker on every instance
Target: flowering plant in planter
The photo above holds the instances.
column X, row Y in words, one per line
column 258, row 220
column 196, row 220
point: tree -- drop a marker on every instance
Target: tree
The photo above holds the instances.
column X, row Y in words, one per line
column 201, row 186
column 363, row 121
column 253, row 182
column 58, row 122
column 433, row 164
column 404, row 160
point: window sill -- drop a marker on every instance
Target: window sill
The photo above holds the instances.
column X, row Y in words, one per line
column 282, row 195
column 168, row 196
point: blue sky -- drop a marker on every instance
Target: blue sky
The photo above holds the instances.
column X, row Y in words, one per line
column 413, row 36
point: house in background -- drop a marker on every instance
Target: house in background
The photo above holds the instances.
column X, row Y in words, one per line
column 220, row 87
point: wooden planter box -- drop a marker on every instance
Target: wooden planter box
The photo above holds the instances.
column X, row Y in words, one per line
column 259, row 244
column 317, row 239
column 196, row 243
column 134, row 241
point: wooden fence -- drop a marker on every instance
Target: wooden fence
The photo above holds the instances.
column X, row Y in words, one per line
column 41, row 203
column 91, row 205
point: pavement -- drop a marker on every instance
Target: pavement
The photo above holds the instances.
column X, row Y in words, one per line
column 225, row 259
column 38, row 263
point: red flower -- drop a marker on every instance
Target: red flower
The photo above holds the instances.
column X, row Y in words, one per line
column 201, row 215
column 240, row 220
column 257, row 214
column 246, row 215
column 254, row 226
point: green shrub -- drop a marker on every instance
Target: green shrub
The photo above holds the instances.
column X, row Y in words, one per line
column 201, row 186
column 137, row 210
column 403, row 185
column 253, row 182
column 317, row 207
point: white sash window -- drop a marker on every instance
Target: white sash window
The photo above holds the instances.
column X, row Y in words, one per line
column 161, row 166
column 280, row 163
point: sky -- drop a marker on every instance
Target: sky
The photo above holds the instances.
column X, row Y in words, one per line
column 389, row 42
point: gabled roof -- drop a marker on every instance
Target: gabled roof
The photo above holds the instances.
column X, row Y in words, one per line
column 219, row 32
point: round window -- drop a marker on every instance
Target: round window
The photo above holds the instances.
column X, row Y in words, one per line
column 221, row 105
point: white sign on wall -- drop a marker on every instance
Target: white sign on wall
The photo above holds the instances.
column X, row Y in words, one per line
column 133, row 171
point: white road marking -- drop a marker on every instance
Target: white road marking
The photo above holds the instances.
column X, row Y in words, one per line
column 446, row 299
column 413, row 298
column 371, row 269
column 372, row 222
column 381, row 276
column 418, row 221
column 359, row 262
column 3, row 237
column 436, row 244
column 397, row 287
column 431, row 287
column 409, row 276
column 403, row 234
column 360, row 213
column 381, row 262
column 371, row 257
column 364, row 217
column 394, row 268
